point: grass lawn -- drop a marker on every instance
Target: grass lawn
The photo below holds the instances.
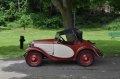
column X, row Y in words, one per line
column 9, row 40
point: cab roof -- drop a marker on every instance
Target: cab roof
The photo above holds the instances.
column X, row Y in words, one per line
column 73, row 31
column 68, row 31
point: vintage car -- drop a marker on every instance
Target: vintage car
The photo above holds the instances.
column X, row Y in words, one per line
column 61, row 48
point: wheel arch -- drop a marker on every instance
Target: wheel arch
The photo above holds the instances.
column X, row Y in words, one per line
column 28, row 50
column 89, row 49
column 36, row 52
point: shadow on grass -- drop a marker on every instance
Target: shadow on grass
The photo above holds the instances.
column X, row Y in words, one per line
column 108, row 47
column 11, row 51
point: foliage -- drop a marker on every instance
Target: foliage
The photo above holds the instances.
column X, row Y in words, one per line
column 38, row 19
column 108, row 21
column 43, row 21
column 115, row 4
column 45, row 5
column 114, row 25
column 25, row 21
column 10, row 12
column 80, row 4
column 4, row 28
column 97, row 3
column 42, row 14
column 13, row 25
column 2, row 22
column 39, row 5
column 54, row 22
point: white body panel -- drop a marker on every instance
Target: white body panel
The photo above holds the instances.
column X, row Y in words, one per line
column 48, row 48
column 57, row 50
column 62, row 51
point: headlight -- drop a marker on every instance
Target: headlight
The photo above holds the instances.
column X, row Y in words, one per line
column 31, row 44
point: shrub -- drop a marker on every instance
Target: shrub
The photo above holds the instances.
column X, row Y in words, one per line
column 54, row 22
column 2, row 21
column 98, row 20
column 38, row 19
column 25, row 21
column 43, row 21
column 114, row 25
column 13, row 25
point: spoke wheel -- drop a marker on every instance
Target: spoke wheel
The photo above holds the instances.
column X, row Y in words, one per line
column 33, row 59
column 85, row 58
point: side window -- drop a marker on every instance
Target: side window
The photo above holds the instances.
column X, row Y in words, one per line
column 66, row 41
column 64, row 37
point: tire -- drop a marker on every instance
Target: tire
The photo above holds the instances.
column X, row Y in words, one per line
column 33, row 59
column 85, row 58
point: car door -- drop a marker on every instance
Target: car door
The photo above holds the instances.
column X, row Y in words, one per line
column 62, row 50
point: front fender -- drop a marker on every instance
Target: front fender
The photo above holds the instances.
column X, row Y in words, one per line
column 92, row 48
column 40, row 51
column 36, row 49
column 33, row 49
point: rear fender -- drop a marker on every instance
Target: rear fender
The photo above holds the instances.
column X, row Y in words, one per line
column 96, row 52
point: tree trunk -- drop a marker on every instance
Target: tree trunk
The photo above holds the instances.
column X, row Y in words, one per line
column 68, row 23
column 67, row 19
column 65, row 8
column 67, row 14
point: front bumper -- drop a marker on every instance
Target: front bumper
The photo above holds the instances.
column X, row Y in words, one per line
column 100, row 54
column 24, row 54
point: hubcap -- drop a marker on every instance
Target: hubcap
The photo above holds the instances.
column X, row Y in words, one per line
column 34, row 59
column 86, row 58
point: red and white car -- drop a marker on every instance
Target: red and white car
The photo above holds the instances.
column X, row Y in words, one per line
column 60, row 48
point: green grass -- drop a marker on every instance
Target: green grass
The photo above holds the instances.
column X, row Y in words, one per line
column 9, row 40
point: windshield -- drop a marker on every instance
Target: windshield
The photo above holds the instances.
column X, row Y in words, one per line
column 57, row 35
column 64, row 38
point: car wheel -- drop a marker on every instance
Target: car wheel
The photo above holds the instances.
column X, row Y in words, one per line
column 85, row 58
column 33, row 59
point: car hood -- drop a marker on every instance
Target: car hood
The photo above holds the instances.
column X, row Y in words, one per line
column 45, row 41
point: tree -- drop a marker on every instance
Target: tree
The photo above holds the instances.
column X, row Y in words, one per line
column 65, row 8
column 115, row 4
